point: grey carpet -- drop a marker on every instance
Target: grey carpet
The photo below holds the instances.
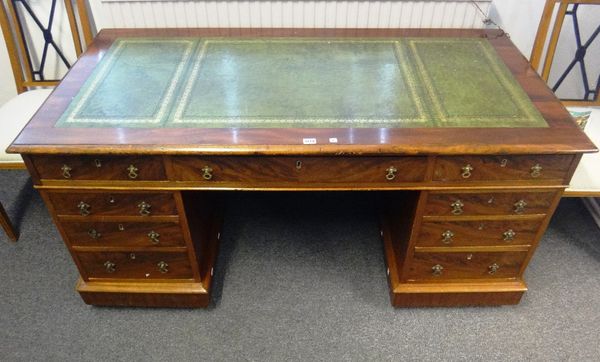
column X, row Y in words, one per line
column 299, row 277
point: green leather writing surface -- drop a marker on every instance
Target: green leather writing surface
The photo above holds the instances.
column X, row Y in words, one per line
column 137, row 82
column 301, row 82
column 295, row 83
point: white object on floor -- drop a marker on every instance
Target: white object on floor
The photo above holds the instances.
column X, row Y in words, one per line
column 14, row 115
column 586, row 179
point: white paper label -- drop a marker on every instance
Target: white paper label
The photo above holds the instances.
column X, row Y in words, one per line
column 333, row 140
column 309, row 141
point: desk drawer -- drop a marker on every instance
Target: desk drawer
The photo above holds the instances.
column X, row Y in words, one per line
column 488, row 203
column 122, row 168
column 136, row 265
column 477, row 233
column 436, row 266
column 300, row 169
column 495, row 168
column 115, row 203
column 123, row 234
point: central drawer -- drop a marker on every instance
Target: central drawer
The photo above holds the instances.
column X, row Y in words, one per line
column 138, row 265
column 123, row 234
column 113, row 203
column 258, row 169
column 477, row 265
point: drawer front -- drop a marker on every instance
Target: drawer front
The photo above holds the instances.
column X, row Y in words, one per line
column 123, row 204
column 137, row 265
column 123, row 234
column 494, row 168
column 488, row 203
column 300, row 169
column 477, row 233
column 438, row 266
column 120, row 168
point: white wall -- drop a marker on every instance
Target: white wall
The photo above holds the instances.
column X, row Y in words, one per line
column 286, row 14
column 7, row 84
column 519, row 18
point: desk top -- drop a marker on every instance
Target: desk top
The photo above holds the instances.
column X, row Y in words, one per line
column 301, row 82
column 252, row 91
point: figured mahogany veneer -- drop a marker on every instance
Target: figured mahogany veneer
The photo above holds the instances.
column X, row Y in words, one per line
column 478, row 233
column 113, row 203
column 179, row 174
column 135, row 265
column 303, row 170
column 465, row 265
column 488, row 203
column 123, row 234
column 493, row 168
column 125, row 168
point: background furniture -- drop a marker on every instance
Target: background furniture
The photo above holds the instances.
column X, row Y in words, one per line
column 586, row 180
column 29, row 68
column 545, row 48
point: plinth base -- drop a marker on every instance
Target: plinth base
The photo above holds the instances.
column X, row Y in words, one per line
column 175, row 295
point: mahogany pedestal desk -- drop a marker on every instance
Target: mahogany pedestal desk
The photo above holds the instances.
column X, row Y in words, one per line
column 469, row 148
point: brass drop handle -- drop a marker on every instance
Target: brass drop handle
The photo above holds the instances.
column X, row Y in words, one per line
column 84, row 209
column 207, row 173
column 154, row 237
column 132, row 172
column 466, row 171
column 94, row 234
column 163, row 267
column 110, row 266
column 520, row 206
column 457, row 207
column 447, row 237
column 390, row 173
column 437, row 269
column 66, row 171
column 536, row 170
column 509, row 235
column 144, row 208
column 492, row 269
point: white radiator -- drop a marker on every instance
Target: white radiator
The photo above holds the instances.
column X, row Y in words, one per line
column 285, row 14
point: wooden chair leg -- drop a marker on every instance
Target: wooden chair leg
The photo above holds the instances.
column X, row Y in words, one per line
column 6, row 225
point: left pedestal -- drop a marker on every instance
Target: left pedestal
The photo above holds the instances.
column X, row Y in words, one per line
column 134, row 242
column 139, row 248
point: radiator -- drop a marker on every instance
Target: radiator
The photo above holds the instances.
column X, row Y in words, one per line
column 299, row 14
